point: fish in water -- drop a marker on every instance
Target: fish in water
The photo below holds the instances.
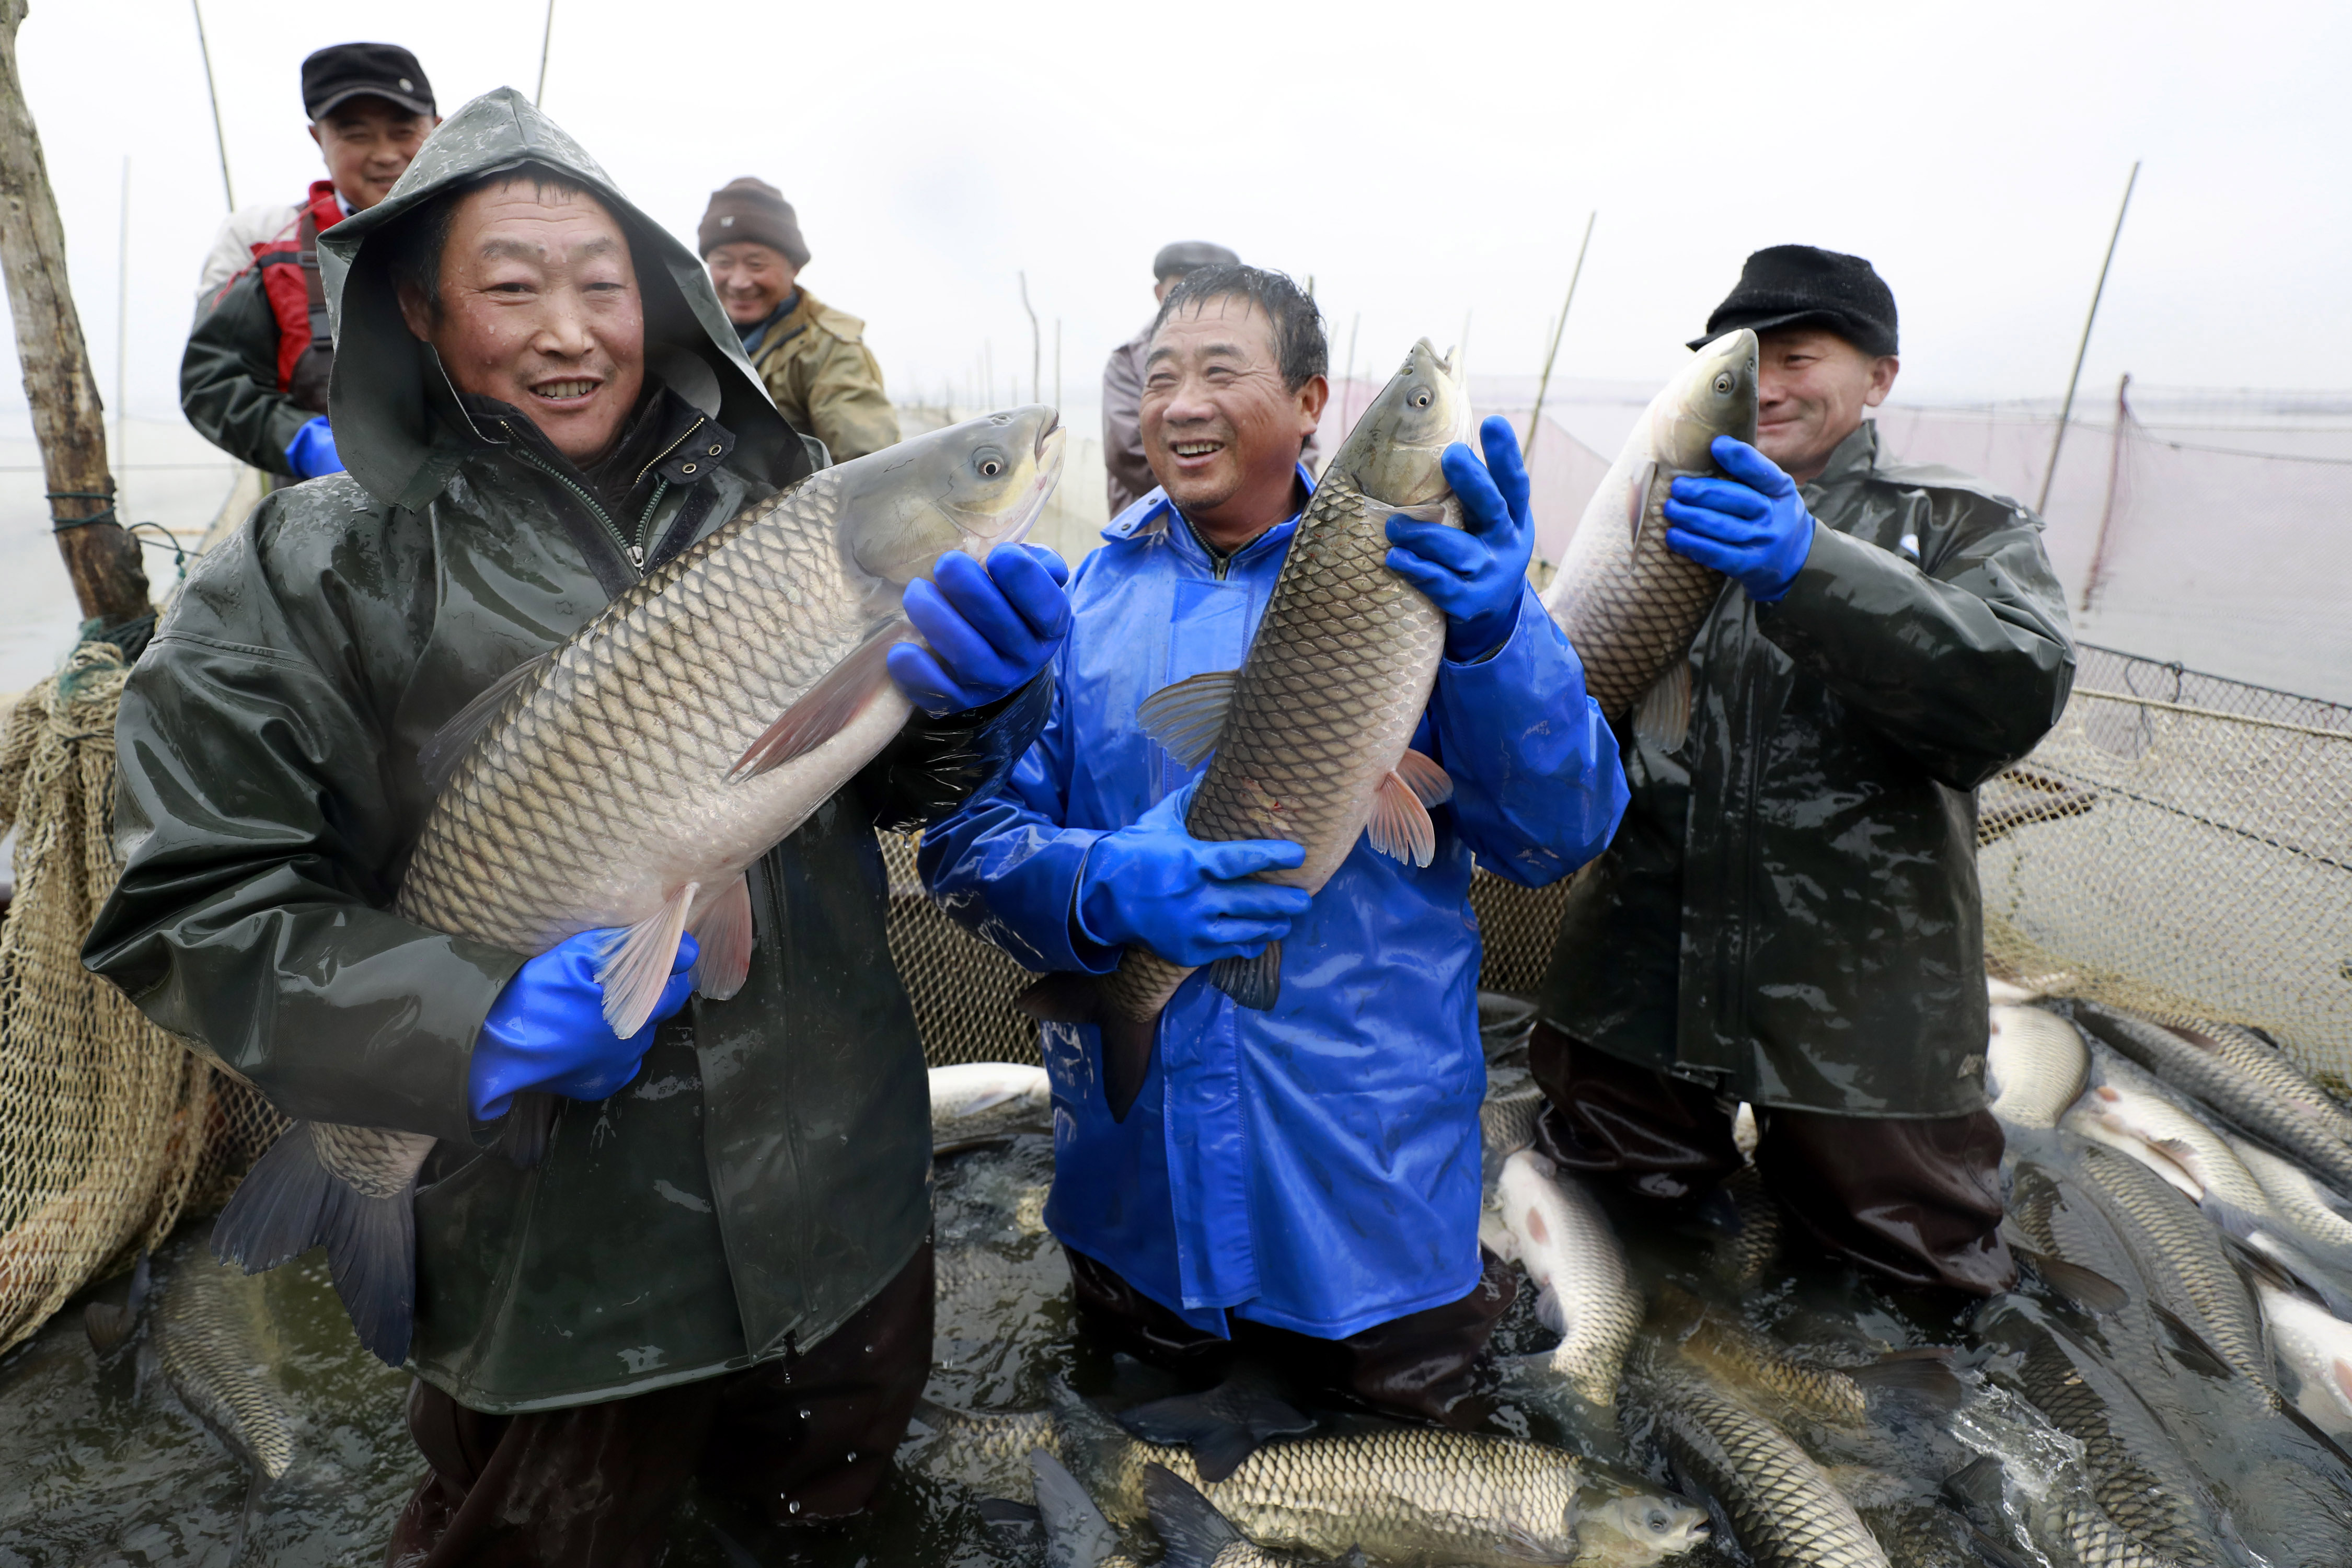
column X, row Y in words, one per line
column 2035, row 1066
column 2066, row 1523
column 974, row 1103
column 2310, row 1210
column 1743, row 1358
column 1410, row 1497
column 779, row 621
column 987, row 1452
column 1584, row 1293
column 1222, row 1427
column 217, row 1347
column 1308, row 739
column 1629, row 604
column 1196, row 1535
column 1077, row 1534
column 1783, row 1506
column 2245, row 1079
column 2316, row 1346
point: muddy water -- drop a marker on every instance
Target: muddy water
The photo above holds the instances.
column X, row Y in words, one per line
column 102, row 1464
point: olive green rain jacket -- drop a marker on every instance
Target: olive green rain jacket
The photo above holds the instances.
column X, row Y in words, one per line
column 1790, row 911
column 824, row 378
column 766, row 1174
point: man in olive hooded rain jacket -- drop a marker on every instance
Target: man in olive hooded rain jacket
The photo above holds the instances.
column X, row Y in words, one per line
column 723, row 1268
column 1789, row 914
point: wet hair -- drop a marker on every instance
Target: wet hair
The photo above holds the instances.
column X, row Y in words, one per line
column 419, row 238
column 1299, row 347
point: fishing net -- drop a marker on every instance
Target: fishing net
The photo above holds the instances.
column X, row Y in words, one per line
column 2182, row 845
column 109, row 1129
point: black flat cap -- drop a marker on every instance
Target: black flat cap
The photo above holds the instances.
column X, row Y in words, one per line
column 1190, row 255
column 340, row 72
column 1792, row 284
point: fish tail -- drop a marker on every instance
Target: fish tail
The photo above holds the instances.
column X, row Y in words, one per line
column 1189, row 1525
column 290, row 1202
column 1127, row 1041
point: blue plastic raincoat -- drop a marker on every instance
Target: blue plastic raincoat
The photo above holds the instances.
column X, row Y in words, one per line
column 1315, row 1167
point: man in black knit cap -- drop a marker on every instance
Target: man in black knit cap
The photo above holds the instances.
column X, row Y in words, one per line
column 1789, row 915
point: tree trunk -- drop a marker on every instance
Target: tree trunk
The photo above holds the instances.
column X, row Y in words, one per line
column 109, row 578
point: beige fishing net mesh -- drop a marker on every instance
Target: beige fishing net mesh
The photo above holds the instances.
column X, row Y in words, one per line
column 109, row 1129
column 2181, row 844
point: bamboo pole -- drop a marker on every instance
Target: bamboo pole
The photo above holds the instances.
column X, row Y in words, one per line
column 2067, row 409
column 546, row 36
column 220, row 137
column 1558, row 327
column 123, row 328
column 109, row 582
column 1036, row 345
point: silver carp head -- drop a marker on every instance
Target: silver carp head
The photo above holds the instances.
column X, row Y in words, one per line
column 1714, row 395
column 969, row 486
column 1391, row 455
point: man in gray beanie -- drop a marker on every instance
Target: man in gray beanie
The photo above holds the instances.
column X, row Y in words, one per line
column 813, row 358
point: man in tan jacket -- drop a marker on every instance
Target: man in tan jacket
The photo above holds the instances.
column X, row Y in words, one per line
column 812, row 357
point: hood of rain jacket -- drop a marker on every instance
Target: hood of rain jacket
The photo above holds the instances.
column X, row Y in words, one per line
column 767, row 1172
column 1791, row 911
column 1315, row 1166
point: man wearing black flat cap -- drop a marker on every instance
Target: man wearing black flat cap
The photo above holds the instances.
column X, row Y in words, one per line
column 1789, row 915
column 1127, row 475
column 254, row 378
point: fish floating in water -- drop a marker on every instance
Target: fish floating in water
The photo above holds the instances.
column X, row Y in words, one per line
column 217, row 1347
column 1569, row 1251
column 2035, row 1066
column 1410, row 1497
column 1630, row 606
column 974, row 1103
column 524, row 848
column 1308, row 740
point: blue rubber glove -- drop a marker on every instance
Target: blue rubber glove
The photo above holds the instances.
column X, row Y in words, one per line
column 991, row 630
column 547, row 1029
column 312, row 450
column 1475, row 573
column 1753, row 527
column 1189, row 900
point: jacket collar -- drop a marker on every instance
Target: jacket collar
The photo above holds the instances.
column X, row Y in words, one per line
column 667, row 439
column 1154, row 513
column 1852, row 460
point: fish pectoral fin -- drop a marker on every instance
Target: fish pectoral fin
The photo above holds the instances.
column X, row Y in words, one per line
column 723, row 932
column 1194, row 1534
column 1252, row 982
column 1551, row 1311
column 2086, row 1287
column 825, row 709
column 1064, row 997
column 1928, row 1379
column 1423, row 512
column 1185, row 718
column 438, row 757
column 1420, row 773
column 1662, row 716
column 1399, row 827
column 2189, row 1347
column 1637, row 501
column 636, row 968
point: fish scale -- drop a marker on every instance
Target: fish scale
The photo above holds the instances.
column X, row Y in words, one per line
column 217, row 1346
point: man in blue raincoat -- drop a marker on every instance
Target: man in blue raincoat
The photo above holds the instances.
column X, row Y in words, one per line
column 1307, row 1174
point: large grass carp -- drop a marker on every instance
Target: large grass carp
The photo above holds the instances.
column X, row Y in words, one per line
column 1308, row 740
column 218, row 1349
column 1410, row 1497
column 629, row 778
column 1585, row 1293
column 1629, row 604
column 1783, row 1506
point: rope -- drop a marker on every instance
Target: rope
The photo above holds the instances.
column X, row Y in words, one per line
column 2216, row 713
column 60, row 524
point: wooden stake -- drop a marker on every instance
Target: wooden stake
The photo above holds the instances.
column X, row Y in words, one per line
column 1558, row 327
column 2067, row 409
column 102, row 559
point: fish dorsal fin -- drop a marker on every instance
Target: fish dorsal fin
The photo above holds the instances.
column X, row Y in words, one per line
column 439, row 756
column 1662, row 716
column 723, row 932
column 638, row 966
column 1077, row 1534
column 1252, row 982
column 1637, row 500
column 1196, row 1534
column 1185, row 718
column 1399, row 827
column 825, row 709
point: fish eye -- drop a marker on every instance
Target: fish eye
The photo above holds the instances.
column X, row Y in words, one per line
column 989, row 461
column 1723, row 384
column 1659, row 1521
column 1421, row 399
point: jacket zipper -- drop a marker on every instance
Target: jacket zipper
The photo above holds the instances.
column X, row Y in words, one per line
column 635, row 552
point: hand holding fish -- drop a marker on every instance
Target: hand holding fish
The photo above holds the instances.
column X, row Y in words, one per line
column 1475, row 573
column 990, row 629
column 1191, row 900
column 547, row 1030
column 1752, row 527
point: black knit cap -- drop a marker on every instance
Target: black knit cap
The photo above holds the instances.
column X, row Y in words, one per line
column 752, row 211
column 1190, row 255
column 340, row 72
column 1791, row 285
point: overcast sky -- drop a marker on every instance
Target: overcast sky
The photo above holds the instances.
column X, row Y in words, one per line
column 1421, row 162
